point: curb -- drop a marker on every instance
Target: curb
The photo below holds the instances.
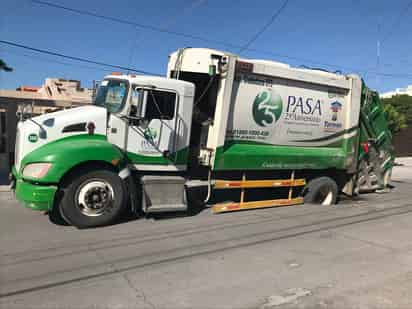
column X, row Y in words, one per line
column 5, row 189
column 404, row 161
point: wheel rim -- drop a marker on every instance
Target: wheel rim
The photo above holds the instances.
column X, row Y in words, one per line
column 328, row 199
column 324, row 196
column 94, row 197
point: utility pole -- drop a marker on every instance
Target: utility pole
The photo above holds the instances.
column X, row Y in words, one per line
column 378, row 53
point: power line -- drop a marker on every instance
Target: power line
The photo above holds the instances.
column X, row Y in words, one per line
column 393, row 75
column 186, row 35
column 181, row 34
column 48, row 52
column 265, row 26
column 207, row 40
column 169, row 23
column 229, row 45
column 132, row 23
column 397, row 21
column 43, row 59
column 185, row 12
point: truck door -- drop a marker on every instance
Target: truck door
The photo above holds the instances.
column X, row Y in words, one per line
column 151, row 141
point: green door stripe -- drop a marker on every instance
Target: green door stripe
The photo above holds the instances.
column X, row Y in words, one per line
column 176, row 158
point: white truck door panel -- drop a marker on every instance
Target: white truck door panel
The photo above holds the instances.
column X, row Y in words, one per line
column 116, row 131
column 151, row 142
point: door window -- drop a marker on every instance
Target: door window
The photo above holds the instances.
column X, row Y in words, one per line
column 160, row 105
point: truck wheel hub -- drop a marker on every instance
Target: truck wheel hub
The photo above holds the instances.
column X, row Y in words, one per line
column 94, row 197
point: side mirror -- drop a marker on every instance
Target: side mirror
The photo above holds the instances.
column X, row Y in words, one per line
column 133, row 118
column 137, row 112
column 133, row 111
column 143, row 104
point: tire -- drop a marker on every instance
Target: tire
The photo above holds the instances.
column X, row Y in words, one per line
column 55, row 214
column 95, row 198
column 322, row 190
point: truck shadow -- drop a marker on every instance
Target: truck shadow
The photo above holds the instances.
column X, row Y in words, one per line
column 194, row 209
column 197, row 206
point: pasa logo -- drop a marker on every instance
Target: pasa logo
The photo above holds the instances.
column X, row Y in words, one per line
column 267, row 108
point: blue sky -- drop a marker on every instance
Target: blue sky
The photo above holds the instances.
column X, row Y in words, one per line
column 313, row 33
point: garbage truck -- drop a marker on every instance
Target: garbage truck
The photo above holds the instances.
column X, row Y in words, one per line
column 260, row 132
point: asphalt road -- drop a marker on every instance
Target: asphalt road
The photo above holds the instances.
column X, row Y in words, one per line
column 357, row 254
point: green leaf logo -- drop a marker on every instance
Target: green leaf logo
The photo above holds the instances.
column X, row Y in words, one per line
column 267, row 108
column 150, row 133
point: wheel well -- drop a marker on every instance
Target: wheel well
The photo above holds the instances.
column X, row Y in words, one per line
column 340, row 177
column 77, row 169
column 84, row 167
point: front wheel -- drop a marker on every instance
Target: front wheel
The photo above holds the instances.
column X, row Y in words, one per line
column 94, row 198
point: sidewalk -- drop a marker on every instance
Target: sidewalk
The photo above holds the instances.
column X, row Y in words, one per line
column 4, row 188
column 406, row 161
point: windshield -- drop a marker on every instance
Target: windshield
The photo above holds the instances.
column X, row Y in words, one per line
column 112, row 95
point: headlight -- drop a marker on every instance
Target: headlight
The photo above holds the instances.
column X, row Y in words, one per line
column 36, row 170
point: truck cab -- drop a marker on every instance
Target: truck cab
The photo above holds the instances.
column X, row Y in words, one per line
column 77, row 163
column 149, row 119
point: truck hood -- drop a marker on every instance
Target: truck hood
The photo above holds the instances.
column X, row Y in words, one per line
column 57, row 125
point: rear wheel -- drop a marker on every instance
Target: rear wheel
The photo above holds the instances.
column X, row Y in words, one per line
column 322, row 190
column 93, row 199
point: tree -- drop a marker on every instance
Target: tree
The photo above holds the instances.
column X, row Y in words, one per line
column 402, row 104
column 396, row 120
column 4, row 66
column 399, row 111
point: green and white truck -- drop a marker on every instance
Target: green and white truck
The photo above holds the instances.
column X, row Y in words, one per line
column 152, row 143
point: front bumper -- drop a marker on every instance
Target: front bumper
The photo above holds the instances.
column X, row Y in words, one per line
column 34, row 196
